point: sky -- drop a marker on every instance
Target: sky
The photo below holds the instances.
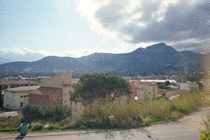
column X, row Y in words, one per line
column 78, row 28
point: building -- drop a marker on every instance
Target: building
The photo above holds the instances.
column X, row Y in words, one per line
column 15, row 98
column 19, row 83
column 144, row 91
column 127, row 78
column 157, row 81
column 56, row 90
column 49, row 96
column 173, row 87
column 189, row 87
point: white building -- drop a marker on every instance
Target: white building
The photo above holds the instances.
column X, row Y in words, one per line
column 15, row 98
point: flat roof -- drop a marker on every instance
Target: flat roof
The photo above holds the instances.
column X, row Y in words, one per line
column 158, row 81
column 19, row 82
column 25, row 88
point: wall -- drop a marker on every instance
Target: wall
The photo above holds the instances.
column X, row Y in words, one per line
column 12, row 99
column 38, row 99
column 9, row 100
column 55, row 98
column 184, row 86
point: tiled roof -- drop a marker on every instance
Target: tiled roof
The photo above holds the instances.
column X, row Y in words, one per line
column 45, row 91
column 58, row 80
column 26, row 88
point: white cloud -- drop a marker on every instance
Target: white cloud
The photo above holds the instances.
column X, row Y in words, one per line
column 135, row 22
column 16, row 50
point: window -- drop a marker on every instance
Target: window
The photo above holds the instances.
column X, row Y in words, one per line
column 75, row 110
column 21, row 96
column 71, row 104
column 65, row 93
column 65, row 101
column 27, row 96
column 54, row 99
column 75, row 103
column 24, row 95
column 60, row 98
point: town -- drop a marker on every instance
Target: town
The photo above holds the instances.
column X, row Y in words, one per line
column 18, row 92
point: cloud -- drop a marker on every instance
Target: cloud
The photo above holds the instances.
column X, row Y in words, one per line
column 16, row 50
column 193, row 45
column 137, row 21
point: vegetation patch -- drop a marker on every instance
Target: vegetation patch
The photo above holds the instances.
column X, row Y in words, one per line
column 108, row 114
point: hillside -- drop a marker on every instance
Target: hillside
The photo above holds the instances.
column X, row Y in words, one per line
column 158, row 58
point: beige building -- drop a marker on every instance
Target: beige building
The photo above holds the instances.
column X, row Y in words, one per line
column 15, row 98
column 147, row 91
column 144, row 90
column 19, row 83
column 64, row 81
column 189, row 87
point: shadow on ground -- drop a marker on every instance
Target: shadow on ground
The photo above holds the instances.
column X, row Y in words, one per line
column 20, row 137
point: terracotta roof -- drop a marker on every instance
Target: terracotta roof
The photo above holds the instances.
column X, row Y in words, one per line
column 20, row 82
column 58, row 80
column 26, row 88
column 45, row 91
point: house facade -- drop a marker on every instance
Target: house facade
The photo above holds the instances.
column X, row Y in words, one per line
column 49, row 96
column 15, row 98
column 145, row 90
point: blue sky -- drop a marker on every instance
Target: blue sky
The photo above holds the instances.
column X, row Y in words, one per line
column 81, row 27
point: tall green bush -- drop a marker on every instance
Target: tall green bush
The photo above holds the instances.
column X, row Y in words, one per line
column 60, row 112
column 42, row 112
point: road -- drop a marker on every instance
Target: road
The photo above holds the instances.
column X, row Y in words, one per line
column 7, row 114
column 187, row 128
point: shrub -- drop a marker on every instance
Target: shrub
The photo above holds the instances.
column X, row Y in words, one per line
column 42, row 112
column 187, row 103
column 175, row 115
column 60, row 112
column 64, row 122
column 9, row 123
column 53, row 126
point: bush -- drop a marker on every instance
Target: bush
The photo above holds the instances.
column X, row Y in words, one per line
column 60, row 112
column 53, row 126
column 64, row 122
column 42, row 112
column 175, row 115
column 9, row 123
column 187, row 103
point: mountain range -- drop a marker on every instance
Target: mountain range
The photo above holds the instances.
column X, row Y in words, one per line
column 155, row 59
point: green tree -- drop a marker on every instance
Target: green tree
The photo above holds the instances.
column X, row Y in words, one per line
column 200, row 85
column 99, row 86
column 167, row 83
column 161, row 85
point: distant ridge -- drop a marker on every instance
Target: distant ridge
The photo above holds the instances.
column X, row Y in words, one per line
column 154, row 59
